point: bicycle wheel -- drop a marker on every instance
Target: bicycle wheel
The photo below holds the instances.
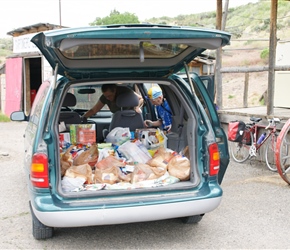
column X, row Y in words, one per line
column 270, row 156
column 282, row 152
column 240, row 151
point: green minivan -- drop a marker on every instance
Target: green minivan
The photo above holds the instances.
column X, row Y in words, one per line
column 116, row 181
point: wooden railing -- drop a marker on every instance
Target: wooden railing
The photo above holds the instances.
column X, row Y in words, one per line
column 247, row 71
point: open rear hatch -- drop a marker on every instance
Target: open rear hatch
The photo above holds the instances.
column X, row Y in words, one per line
column 139, row 52
column 125, row 50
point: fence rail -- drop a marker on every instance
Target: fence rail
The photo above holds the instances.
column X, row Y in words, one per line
column 253, row 69
column 248, row 70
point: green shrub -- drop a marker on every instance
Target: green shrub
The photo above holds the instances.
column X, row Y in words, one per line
column 4, row 118
column 264, row 54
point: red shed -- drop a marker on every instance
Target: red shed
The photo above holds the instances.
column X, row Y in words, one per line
column 25, row 69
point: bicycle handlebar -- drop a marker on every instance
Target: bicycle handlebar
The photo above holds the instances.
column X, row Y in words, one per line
column 273, row 122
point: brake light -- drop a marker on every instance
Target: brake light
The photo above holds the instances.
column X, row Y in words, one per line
column 39, row 171
column 214, row 159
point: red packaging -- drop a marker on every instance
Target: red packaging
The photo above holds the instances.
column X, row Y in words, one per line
column 83, row 133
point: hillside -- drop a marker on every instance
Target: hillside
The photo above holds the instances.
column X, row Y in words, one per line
column 250, row 34
column 241, row 22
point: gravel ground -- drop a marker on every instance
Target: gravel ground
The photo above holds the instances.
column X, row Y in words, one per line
column 253, row 213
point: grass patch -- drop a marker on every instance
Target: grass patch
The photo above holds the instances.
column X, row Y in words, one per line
column 231, row 96
column 4, row 118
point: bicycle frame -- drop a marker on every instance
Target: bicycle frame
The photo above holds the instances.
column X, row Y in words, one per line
column 255, row 128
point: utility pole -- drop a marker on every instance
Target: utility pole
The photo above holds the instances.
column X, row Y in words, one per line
column 218, row 64
column 59, row 8
column 272, row 57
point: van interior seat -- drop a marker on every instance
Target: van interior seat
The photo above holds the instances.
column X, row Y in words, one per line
column 70, row 100
column 127, row 116
column 69, row 116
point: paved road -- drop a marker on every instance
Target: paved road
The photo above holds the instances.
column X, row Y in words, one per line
column 252, row 215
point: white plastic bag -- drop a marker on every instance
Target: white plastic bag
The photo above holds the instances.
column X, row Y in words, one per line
column 135, row 152
column 118, row 136
column 70, row 184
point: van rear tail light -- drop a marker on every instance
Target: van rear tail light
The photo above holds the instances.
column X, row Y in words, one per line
column 39, row 171
column 214, row 159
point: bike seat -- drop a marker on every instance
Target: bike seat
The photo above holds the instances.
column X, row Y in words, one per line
column 255, row 119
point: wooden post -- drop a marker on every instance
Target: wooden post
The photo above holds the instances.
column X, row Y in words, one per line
column 246, row 90
column 27, row 90
column 272, row 57
column 218, row 75
column 225, row 14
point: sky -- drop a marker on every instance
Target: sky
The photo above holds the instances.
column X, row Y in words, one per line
column 77, row 13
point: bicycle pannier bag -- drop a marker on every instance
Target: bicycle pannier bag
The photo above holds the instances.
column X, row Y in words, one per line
column 247, row 137
column 236, row 130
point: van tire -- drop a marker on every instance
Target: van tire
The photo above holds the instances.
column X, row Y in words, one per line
column 39, row 230
column 192, row 219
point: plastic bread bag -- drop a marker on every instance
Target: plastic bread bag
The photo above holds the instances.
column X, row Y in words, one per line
column 110, row 161
column 161, row 158
column 111, row 175
column 89, row 156
column 179, row 167
column 82, row 171
column 108, row 171
column 66, row 160
column 143, row 172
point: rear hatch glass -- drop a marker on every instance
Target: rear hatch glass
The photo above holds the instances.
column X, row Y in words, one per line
column 125, row 50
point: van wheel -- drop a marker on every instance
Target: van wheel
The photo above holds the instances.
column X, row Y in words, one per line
column 192, row 219
column 39, row 230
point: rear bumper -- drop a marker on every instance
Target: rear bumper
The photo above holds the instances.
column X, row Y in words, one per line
column 121, row 215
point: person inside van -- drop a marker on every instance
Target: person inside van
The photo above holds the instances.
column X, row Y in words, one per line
column 109, row 96
column 162, row 109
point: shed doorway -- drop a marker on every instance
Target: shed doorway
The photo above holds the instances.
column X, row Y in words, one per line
column 32, row 80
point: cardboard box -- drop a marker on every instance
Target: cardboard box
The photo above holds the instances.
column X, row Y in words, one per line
column 83, row 133
column 64, row 138
column 148, row 137
column 139, row 132
column 151, row 137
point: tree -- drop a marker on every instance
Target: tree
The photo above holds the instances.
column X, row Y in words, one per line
column 116, row 17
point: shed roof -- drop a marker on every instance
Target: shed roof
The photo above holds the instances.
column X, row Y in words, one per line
column 38, row 27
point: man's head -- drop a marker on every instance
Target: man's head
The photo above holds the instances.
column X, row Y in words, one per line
column 155, row 95
column 109, row 91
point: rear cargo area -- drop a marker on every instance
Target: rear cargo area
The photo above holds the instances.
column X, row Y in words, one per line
column 128, row 158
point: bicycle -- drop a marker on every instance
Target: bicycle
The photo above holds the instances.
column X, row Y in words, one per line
column 249, row 147
column 282, row 152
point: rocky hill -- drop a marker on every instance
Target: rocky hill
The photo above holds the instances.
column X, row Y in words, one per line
column 250, row 27
column 246, row 21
